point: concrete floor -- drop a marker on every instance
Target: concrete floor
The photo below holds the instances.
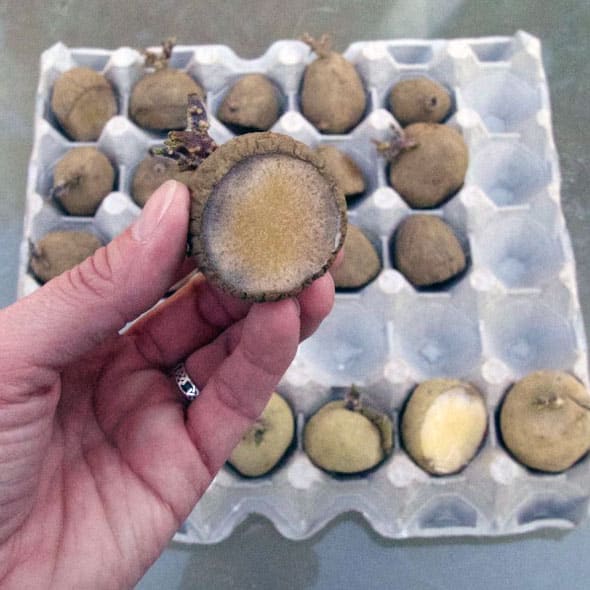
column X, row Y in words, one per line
column 347, row 554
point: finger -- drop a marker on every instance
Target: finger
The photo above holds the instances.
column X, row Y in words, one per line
column 189, row 319
column 238, row 391
column 98, row 297
column 186, row 272
column 316, row 303
column 197, row 314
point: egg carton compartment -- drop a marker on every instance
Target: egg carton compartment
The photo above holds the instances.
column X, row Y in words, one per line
column 513, row 310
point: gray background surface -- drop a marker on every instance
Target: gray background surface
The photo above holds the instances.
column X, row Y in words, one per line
column 347, row 554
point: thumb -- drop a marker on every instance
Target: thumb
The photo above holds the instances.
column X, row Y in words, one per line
column 74, row 312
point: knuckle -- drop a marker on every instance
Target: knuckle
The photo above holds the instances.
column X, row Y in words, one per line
column 236, row 403
column 95, row 275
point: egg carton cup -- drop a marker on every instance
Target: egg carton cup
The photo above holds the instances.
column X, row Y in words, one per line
column 514, row 310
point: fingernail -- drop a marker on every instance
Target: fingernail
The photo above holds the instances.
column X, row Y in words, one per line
column 154, row 211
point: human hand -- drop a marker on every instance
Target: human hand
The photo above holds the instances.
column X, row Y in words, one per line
column 99, row 460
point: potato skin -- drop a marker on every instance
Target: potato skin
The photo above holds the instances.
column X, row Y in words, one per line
column 344, row 169
column 92, row 177
column 251, row 103
column 361, row 263
column 431, row 172
column 151, row 173
column 340, row 440
column 545, row 421
column 332, row 97
column 426, row 250
column 60, row 251
column 419, row 100
column 83, row 101
column 159, row 99
column 266, row 441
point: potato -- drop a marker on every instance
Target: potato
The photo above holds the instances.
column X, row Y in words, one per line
column 346, row 437
column 443, row 425
column 266, row 441
column 361, row 263
column 427, row 251
column 433, row 169
column 545, row 421
column 419, row 100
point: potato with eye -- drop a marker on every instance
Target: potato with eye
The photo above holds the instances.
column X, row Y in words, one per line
column 251, row 104
column 428, row 163
column 266, row 441
column 545, row 421
column 434, row 169
column 83, row 101
column 60, row 251
column 151, row 173
column 332, row 95
column 419, row 100
column 82, row 179
column 347, row 436
column 158, row 100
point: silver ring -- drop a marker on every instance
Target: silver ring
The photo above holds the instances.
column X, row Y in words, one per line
column 186, row 385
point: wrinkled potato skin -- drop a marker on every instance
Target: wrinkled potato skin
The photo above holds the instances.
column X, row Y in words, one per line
column 151, row 173
column 60, row 251
column 342, row 441
column 361, row 263
column 545, row 421
column 83, row 101
column 251, row 103
column 344, row 169
column 265, row 443
column 419, row 100
column 92, row 177
column 332, row 97
column 159, row 100
column 435, row 169
column 426, row 250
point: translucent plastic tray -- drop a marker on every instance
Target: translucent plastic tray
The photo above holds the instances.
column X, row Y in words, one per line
column 515, row 310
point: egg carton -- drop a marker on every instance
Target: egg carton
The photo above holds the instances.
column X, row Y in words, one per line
column 515, row 310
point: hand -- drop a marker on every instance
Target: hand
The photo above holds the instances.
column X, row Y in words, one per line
column 99, row 461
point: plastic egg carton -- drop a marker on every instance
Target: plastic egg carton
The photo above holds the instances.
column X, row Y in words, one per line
column 515, row 309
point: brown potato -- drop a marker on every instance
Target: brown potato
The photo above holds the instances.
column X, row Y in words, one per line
column 426, row 250
column 545, row 421
column 419, row 100
column 151, row 173
column 60, row 251
column 361, row 262
column 433, row 170
column 159, row 100
column 344, row 169
column 251, row 104
column 82, row 179
column 266, row 441
column 332, row 96
column 83, row 101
